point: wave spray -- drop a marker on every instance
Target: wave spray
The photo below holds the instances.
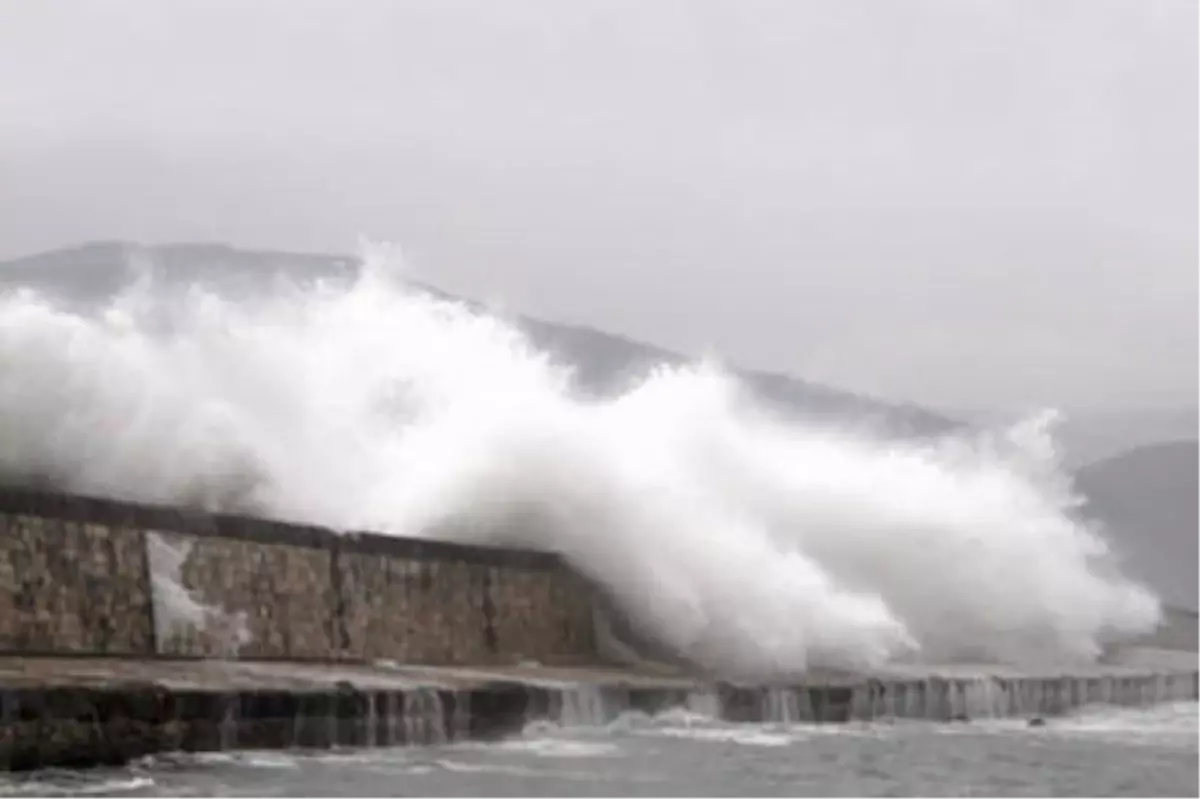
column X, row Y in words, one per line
column 743, row 541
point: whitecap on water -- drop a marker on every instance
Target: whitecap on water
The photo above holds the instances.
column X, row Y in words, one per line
column 1156, row 725
column 558, row 747
column 73, row 784
column 510, row 770
column 746, row 736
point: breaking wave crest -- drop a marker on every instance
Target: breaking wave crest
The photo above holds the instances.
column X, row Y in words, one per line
column 741, row 540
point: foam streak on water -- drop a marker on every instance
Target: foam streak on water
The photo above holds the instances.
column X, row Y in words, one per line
column 747, row 543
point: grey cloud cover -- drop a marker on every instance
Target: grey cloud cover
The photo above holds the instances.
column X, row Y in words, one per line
column 960, row 203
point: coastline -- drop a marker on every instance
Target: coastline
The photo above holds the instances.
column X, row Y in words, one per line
column 80, row 712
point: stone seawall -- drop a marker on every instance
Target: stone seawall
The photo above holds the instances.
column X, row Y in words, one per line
column 83, row 576
column 70, row 584
column 129, row 629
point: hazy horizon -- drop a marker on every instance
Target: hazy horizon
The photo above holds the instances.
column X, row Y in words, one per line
column 957, row 204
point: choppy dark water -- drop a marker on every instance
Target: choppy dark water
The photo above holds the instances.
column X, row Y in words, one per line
column 1097, row 752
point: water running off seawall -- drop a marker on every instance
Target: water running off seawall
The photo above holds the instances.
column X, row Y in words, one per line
column 742, row 541
column 437, row 707
column 1098, row 751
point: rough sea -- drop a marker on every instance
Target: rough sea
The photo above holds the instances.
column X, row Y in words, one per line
column 1094, row 752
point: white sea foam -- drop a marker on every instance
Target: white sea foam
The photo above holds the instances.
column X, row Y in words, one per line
column 62, row 783
column 556, row 746
column 741, row 540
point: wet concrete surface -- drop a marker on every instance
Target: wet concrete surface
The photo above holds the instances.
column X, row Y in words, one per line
column 232, row 675
column 85, row 711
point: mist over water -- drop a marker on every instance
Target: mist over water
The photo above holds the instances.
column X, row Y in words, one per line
column 751, row 544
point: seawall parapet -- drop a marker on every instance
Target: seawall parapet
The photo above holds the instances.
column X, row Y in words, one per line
column 84, row 576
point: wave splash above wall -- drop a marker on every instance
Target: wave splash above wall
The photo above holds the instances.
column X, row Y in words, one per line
column 732, row 537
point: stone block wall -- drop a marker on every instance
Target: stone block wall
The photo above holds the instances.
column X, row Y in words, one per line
column 72, row 578
column 219, row 596
column 437, row 603
column 90, row 576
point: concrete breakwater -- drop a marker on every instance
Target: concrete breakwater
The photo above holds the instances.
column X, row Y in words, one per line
column 88, row 711
column 129, row 629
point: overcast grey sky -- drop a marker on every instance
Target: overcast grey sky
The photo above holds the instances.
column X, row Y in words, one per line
column 959, row 203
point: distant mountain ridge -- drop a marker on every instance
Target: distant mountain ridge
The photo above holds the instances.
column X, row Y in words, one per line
column 1093, row 437
column 1147, row 500
column 603, row 362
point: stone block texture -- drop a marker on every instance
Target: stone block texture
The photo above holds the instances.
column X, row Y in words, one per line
column 439, row 610
column 242, row 598
column 72, row 586
column 82, row 575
